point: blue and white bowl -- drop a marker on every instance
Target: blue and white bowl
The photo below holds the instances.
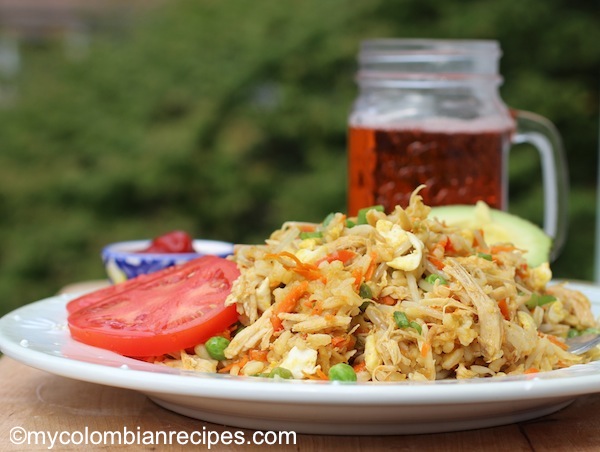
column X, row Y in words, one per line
column 122, row 260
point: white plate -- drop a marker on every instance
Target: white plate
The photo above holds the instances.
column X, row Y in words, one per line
column 37, row 335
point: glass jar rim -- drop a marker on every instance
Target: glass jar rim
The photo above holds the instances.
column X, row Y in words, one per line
column 378, row 47
column 453, row 61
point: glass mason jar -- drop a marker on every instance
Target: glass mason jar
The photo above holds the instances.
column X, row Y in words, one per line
column 429, row 112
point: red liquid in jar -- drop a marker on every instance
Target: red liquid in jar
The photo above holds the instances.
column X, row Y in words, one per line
column 457, row 167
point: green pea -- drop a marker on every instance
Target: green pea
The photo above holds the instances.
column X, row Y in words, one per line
column 401, row 319
column 403, row 322
column 573, row 333
column 416, row 326
column 362, row 213
column 281, row 372
column 215, row 347
column 539, row 300
column 365, row 291
column 328, row 219
column 486, row 256
column 431, row 279
column 342, row 372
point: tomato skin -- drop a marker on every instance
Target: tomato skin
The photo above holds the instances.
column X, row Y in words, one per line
column 177, row 308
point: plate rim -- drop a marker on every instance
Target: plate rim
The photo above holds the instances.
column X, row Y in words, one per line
column 548, row 385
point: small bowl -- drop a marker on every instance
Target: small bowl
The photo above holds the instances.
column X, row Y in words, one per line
column 122, row 260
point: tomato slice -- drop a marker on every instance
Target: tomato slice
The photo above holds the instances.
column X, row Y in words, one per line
column 178, row 308
column 115, row 289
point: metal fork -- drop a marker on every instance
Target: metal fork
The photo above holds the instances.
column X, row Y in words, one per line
column 583, row 343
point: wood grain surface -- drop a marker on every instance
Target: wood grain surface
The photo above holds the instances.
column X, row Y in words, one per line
column 38, row 401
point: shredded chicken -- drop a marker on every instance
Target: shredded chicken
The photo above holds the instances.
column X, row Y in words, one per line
column 490, row 318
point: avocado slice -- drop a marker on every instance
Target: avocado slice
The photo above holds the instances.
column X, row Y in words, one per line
column 499, row 227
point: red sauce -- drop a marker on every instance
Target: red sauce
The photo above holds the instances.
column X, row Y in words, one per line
column 171, row 242
column 458, row 167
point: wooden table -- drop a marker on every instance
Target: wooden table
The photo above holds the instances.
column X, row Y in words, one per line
column 37, row 401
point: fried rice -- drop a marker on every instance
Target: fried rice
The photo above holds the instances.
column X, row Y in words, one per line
column 399, row 296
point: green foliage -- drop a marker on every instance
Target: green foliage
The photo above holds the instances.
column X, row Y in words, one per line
column 228, row 118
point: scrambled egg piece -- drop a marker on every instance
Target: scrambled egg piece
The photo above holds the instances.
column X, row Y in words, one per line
column 300, row 362
column 310, row 251
column 372, row 358
column 401, row 241
column 540, row 276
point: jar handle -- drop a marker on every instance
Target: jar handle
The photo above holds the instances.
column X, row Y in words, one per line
column 541, row 134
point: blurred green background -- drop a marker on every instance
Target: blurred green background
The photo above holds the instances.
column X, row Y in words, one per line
column 225, row 118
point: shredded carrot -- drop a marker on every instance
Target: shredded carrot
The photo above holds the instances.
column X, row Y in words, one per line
column 503, row 305
column 343, row 341
column 307, row 227
column 321, row 374
column 425, row 349
column 358, row 277
column 441, row 245
column 258, row 355
column 318, row 375
column 449, row 246
column 240, row 363
column 502, row 248
column 522, row 270
column 371, row 268
column 556, row 341
column 309, row 271
column 436, row 262
column 336, row 341
column 531, row 370
column 317, row 308
column 340, row 255
column 288, row 303
column 387, row 300
column 359, row 367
